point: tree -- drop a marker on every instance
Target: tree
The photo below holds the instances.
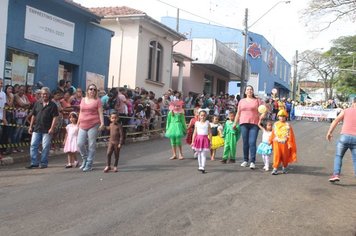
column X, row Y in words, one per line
column 323, row 13
column 344, row 54
column 320, row 66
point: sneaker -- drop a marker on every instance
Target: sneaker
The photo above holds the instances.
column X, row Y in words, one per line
column 274, row 171
column 83, row 165
column 334, row 178
column 284, row 170
column 252, row 166
column 87, row 168
column 223, row 161
column 244, row 164
column 232, row 161
column 266, row 168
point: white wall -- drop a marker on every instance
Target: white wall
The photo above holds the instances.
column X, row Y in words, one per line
column 3, row 26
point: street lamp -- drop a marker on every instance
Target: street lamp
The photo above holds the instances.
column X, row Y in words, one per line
column 244, row 60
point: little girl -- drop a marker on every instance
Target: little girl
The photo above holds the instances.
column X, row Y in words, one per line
column 70, row 140
column 216, row 132
column 265, row 149
column 201, row 139
column 176, row 127
column 283, row 143
column 115, row 141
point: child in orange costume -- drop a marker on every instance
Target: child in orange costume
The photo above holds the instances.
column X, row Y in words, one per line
column 283, row 143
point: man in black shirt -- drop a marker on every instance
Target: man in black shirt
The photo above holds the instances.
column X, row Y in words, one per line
column 42, row 127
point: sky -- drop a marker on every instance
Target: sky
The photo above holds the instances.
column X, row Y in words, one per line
column 282, row 26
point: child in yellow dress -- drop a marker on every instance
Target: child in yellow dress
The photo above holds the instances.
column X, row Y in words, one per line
column 217, row 141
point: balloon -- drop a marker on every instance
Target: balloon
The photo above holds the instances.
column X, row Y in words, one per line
column 262, row 109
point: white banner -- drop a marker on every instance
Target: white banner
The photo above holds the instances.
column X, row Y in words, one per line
column 315, row 112
column 48, row 29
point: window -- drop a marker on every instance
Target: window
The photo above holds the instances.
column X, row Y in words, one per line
column 221, row 85
column 208, row 83
column 19, row 67
column 276, row 66
column 155, row 62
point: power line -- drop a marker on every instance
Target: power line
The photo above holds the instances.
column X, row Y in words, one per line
column 191, row 13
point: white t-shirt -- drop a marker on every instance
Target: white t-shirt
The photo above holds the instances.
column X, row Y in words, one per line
column 2, row 104
column 202, row 128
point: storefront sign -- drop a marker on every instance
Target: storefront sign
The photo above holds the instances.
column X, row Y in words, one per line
column 315, row 112
column 254, row 50
column 48, row 29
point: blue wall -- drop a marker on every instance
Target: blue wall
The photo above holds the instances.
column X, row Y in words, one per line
column 229, row 35
column 91, row 49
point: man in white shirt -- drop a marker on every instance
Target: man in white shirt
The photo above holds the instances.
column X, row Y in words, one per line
column 3, row 136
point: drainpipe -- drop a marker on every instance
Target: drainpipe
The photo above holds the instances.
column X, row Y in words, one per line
column 121, row 47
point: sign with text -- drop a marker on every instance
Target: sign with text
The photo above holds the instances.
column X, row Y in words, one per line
column 48, row 29
column 315, row 112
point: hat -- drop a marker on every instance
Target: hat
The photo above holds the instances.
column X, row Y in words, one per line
column 176, row 106
column 282, row 113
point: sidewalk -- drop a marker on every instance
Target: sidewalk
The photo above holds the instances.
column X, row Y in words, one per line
column 24, row 157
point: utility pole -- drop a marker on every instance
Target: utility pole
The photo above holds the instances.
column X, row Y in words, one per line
column 244, row 59
column 295, row 76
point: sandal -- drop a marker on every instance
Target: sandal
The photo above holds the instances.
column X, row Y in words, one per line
column 115, row 169
column 173, row 157
column 181, row 158
column 68, row 166
column 107, row 169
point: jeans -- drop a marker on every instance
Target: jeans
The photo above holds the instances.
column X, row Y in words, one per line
column 249, row 133
column 345, row 142
column 35, row 143
column 87, row 136
column 17, row 135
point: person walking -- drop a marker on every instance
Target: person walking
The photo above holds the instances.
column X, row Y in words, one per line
column 115, row 142
column 42, row 126
column 201, row 139
column 70, row 141
column 91, row 118
column 249, row 118
column 347, row 139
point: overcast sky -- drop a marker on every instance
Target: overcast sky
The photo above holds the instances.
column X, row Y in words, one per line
column 282, row 26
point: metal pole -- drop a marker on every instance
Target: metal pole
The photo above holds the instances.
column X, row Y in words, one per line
column 177, row 23
column 244, row 60
column 295, row 76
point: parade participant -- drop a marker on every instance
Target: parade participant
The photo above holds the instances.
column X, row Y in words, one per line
column 283, row 143
column 70, row 141
column 42, row 126
column 115, row 142
column 347, row 139
column 90, row 119
column 265, row 149
column 216, row 140
column 248, row 118
column 176, row 127
column 191, row 128
column 231, row 135
column 201, row 139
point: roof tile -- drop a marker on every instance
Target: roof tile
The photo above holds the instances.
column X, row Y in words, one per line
column 116, row 11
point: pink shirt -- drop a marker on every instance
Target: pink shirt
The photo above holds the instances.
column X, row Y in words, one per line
column 89, row 114
column 248, row 111
column 349, row 125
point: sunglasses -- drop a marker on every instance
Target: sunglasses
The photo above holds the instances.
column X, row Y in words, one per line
column 92, row 89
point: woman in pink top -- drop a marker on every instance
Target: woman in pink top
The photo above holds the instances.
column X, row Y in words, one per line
column 347, row 138
column 248, row 118
column 90, row 119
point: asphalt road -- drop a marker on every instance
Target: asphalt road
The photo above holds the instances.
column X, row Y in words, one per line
column 152, row 195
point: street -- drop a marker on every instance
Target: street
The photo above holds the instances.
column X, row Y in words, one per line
column 152, row 195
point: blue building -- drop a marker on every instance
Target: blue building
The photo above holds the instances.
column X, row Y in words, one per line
column 268, row 69
column 49, row 40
